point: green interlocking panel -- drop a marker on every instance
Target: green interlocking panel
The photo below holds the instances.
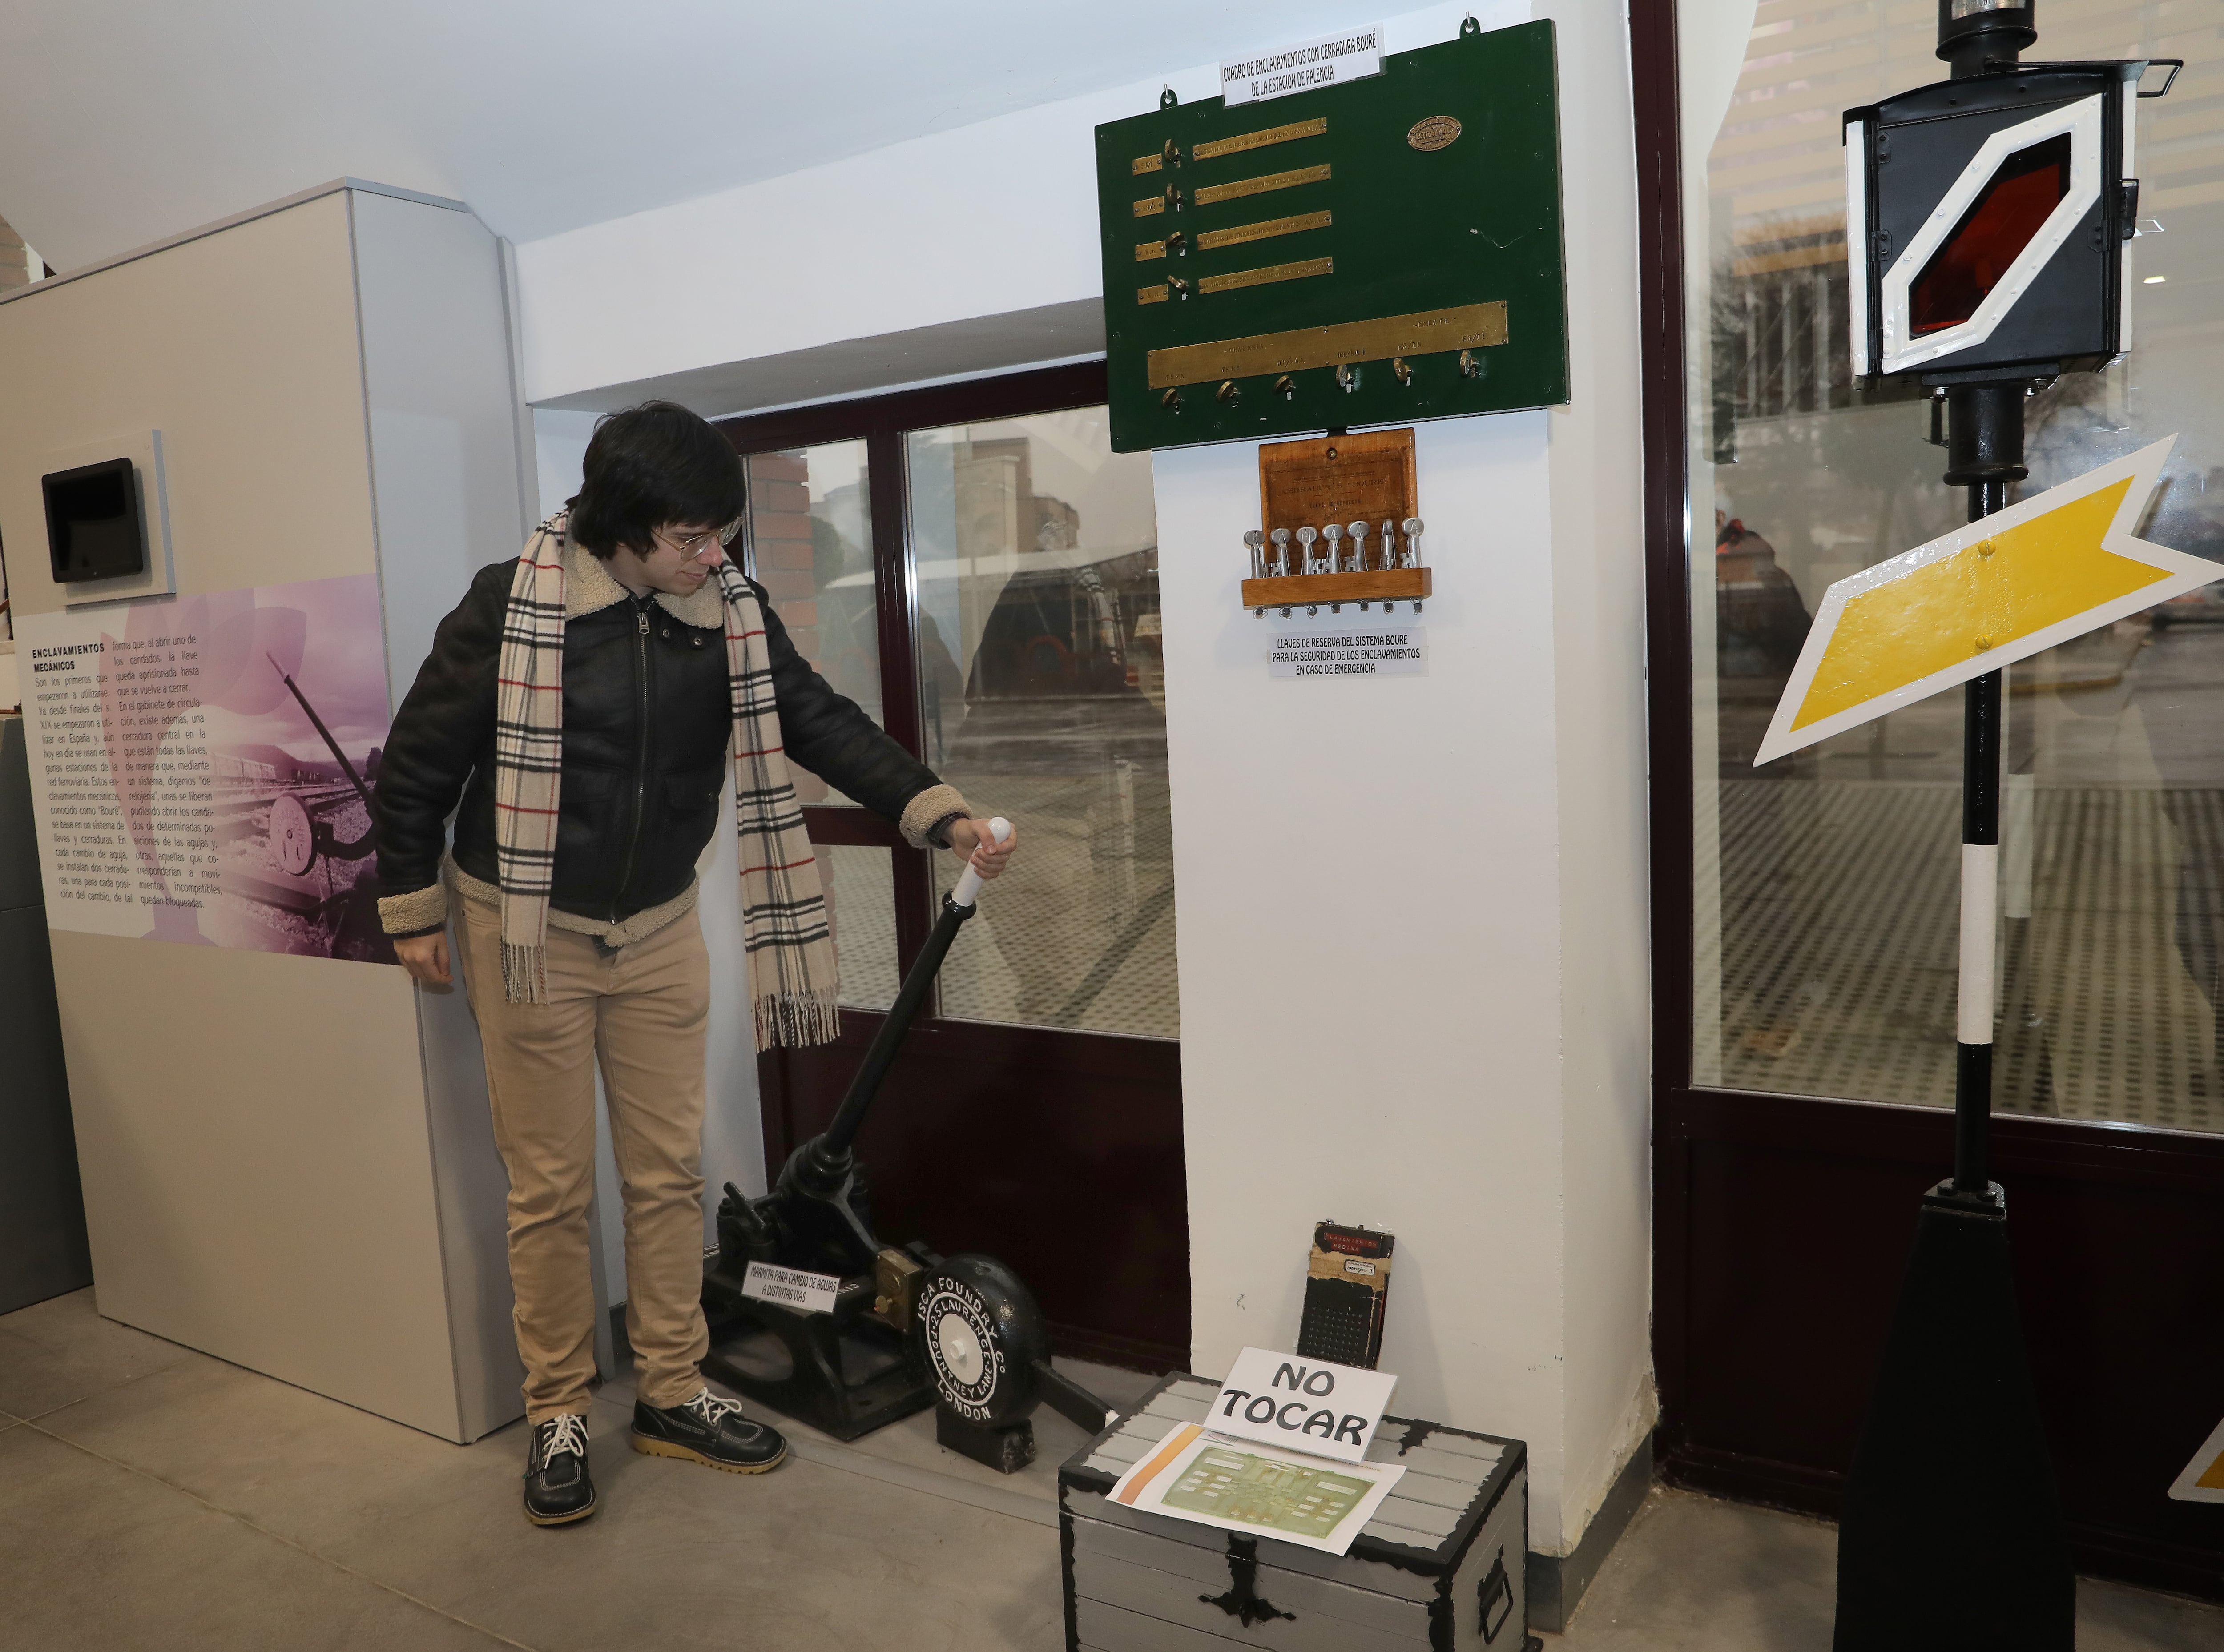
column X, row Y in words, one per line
column 1364, row 214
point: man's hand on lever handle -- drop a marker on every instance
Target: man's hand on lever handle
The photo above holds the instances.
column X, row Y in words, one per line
column 971, row 838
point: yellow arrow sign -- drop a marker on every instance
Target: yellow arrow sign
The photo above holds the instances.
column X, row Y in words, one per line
column 2203, row 1479
column 1981, row 597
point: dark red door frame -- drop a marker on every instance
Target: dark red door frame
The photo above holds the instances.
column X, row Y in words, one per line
column 1781, row 1224
column 1060, row 1151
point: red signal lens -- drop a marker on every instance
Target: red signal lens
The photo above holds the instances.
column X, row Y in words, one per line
column 2002, row 222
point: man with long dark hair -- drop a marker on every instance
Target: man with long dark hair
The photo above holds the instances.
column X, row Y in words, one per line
column 581, row 705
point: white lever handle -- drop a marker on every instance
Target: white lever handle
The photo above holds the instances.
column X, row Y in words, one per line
column 969, row 882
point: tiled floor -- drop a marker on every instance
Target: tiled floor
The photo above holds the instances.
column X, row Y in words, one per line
column 1827, row 905
column 153, row 1498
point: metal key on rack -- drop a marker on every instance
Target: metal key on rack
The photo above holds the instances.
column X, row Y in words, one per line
column 1412, row 526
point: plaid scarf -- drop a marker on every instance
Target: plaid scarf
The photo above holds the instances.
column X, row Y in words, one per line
column 792, row 979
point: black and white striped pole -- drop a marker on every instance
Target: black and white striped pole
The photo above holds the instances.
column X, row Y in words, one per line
column 1989, row 220
column 1951, row 1533
column 1984, row 442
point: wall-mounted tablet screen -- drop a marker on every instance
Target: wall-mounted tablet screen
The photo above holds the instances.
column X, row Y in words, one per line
column 93, row 526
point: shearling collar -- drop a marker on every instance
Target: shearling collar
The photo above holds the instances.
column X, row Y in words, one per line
column 589, row 589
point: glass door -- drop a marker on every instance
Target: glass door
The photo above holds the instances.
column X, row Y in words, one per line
column 1807, row 909
column 978, row 571
column 1037, row 559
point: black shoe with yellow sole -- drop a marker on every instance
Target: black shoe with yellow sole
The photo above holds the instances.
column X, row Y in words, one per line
column 558, row 1488
column 710, row 1430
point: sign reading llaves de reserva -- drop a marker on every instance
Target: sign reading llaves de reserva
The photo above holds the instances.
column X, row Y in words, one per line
column 1377, row 250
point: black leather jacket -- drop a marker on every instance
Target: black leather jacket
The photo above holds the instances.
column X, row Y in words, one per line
column 646, row 724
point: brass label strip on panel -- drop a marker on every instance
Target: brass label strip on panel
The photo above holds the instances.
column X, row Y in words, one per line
column 1471, row 326
column 1149, row 205
column 1143, row 163
column 1243, row 232
column 1243, row 140
column 1150, row 294
column 1269, row 273
column 1149, row 249
column 1243, row 187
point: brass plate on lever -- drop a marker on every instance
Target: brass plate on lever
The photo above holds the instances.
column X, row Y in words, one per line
column 1143, row 163
column 1268, row 273
column 1150, row 294
column 1243, row 233
column 1210, row 148
column 1466, row 326
column 1242, row 187
column 1145, row 250
column 1150, row 205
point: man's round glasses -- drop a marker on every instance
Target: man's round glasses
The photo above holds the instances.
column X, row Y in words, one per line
column 691, row 549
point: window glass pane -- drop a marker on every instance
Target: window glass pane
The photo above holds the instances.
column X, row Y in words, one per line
column 1827, row 883
column 861, row 910
column 1043, row 699
column 811, row 547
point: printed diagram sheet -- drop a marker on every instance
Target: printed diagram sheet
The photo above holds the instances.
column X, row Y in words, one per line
column 1240, row 1485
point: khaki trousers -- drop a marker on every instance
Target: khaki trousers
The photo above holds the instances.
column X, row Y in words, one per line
column 642, row 1012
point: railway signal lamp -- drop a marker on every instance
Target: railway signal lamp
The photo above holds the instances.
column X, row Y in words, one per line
column 1989, row 217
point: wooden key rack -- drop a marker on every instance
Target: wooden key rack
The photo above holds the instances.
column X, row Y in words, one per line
column 1334, row 480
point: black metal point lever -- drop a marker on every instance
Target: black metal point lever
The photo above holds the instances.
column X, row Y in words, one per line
column 817, row 1222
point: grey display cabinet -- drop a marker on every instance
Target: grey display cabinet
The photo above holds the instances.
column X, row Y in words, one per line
column 42, row 1242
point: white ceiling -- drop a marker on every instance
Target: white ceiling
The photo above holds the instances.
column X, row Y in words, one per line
column 125, row 121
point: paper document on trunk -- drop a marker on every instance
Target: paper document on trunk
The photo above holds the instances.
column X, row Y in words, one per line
column 1261, row 1490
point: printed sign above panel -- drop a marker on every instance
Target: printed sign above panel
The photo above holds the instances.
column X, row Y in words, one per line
column 1371, row 253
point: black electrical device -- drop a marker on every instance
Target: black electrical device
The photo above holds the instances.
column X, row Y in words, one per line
column 1347, row 1292
column 1989, row 217
column 94, row 526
